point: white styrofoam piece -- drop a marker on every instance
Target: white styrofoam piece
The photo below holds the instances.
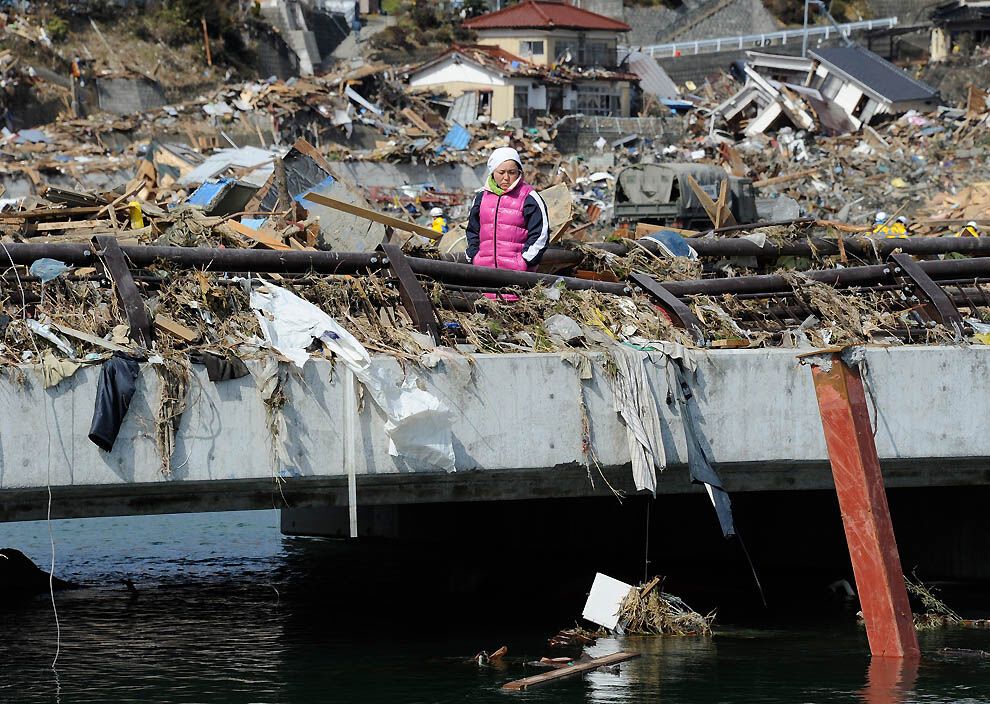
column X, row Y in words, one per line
column 604, row 600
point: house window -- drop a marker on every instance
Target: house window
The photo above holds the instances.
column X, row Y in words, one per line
column 567, row 52
column 861, row 106
column 597, row 100
column 598, row 54
column 829, row 88
column 528, row 49
column 520, row 101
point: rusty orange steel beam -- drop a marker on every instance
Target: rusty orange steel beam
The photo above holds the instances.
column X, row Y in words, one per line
column 863, row 503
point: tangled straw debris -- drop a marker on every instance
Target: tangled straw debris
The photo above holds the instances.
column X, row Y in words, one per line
column 649, row 610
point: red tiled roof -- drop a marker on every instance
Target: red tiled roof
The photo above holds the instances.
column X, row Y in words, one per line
column 545, row 14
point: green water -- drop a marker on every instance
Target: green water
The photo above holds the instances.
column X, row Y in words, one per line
column 227, row 610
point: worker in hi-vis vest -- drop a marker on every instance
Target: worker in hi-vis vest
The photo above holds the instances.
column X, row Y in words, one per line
column 439, row 222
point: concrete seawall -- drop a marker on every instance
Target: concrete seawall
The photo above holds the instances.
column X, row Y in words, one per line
column 517, row 434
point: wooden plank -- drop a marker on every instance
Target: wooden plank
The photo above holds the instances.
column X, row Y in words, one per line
column 91, row 339
column 730, row 343
column 38, row 213
column 127, row 290
column 786, row 178
column 571, row 671
column 644, row 228
column 722, row 213
column 411, row 115
column 68, row 225
column 374, row 216
column 706, row 200
column 261, row 236
column 175, row 328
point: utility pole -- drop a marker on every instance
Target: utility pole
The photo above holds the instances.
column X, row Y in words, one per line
column 804, row 39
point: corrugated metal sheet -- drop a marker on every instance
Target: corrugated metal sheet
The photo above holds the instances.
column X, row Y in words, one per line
column 464, row 111
column 652, row 78
column 458, row 138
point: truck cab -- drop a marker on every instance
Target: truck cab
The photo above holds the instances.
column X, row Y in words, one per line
column 660, row 194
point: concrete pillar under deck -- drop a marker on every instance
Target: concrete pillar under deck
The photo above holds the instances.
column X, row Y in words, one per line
column 334, row 522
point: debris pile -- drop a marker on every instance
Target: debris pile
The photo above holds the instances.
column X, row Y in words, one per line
column 650, row 611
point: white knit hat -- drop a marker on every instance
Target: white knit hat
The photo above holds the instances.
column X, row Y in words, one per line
column 503, row 154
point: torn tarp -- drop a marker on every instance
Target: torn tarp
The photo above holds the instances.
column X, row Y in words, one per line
column 418, row 425
column 633, row 398
column 306, row 171
column 118, row 380
column 699, row 464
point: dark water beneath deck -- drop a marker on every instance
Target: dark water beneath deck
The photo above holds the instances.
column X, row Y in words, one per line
column 227, row 610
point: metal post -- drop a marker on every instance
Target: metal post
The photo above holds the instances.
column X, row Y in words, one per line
column 350, row 446
column 863, row 503
column 804, row 40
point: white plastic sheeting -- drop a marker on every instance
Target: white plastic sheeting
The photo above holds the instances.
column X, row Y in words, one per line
column 418, row 425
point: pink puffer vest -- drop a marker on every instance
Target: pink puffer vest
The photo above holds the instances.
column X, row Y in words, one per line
column 503, row 233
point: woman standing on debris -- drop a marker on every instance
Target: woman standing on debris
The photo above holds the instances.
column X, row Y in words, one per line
column 508, row 227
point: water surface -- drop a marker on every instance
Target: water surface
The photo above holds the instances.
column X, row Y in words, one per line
column 228, row 610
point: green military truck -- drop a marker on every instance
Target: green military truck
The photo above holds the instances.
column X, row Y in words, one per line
column 660, row 194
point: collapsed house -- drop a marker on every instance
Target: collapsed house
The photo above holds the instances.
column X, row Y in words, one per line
column 489, row 84
column 957, row 21
column 846, row 87
column 576, row 46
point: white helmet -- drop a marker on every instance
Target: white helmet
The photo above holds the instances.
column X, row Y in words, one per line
column 436, row 212
column 880, row 216
column 971, row 223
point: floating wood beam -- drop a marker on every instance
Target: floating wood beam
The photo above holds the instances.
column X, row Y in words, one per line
column 569, row 671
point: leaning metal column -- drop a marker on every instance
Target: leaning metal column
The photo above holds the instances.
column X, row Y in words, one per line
column 863, row 503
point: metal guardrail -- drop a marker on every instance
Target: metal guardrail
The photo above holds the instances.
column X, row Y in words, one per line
column 749, row 41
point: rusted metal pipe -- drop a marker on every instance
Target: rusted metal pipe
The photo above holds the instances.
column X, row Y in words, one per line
column 202, row 258
column 869, row 247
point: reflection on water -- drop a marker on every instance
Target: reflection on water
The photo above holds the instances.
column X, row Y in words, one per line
column 229, row 611
column 890, row 680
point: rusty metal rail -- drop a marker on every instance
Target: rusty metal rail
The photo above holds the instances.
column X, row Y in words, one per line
column 916, row 282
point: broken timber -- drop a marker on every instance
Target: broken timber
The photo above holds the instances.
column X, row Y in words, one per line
column 127, row 290
column 374, row 216
column 569, row 671
column 679, row 313
column 414, row 298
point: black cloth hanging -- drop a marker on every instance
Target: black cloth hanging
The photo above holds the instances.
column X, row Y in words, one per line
column 221, row 368
column 118, row 380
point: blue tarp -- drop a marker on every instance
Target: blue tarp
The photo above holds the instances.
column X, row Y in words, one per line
column 457, row 139
column 672, row 243
column 677, row 105
column 253, row 223
column 207, row 194
column 321, row 187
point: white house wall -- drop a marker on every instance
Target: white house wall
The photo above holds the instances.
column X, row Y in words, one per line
column 847, row 97
column 538, row 97
column 450, row 72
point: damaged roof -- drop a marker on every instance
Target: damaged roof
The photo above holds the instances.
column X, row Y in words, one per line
column 545, row 14
column 501, row 61
column 493, row 58
column 875, row 74
column 961, row 11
